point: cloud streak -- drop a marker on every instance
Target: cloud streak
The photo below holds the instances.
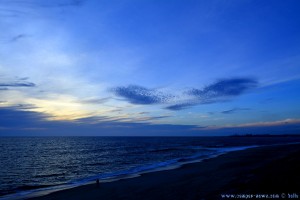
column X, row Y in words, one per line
column 265, row 124
column 23, row 122
column 181, row 106
column 25, row 8
column 17, row 84
column 224, row 88
column 219, row 91
column 18, row 37
column 140, row 95
column 150, row 118
column 41, row 3
column 14, row 117
column 274, row 123
column 94, row 100
column 234, row 110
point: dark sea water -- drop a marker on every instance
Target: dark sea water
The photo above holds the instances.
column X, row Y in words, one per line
column 39, row 165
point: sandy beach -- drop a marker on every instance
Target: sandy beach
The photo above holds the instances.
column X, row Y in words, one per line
column 272, row 170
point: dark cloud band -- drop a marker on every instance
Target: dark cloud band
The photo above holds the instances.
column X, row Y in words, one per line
column 225, row 87
column 234, row 110
column 18, row 84
column 140, row 95
column 219, row 91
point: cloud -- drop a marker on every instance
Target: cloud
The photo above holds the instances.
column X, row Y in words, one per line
column 234, row 110
column 225, row 88
column 4, row 12
column 219, row 91
column 179, row 106
column 17, row 84
column 13, row 38
column 24, row 107
column 25, row 8
column 18, row 37
column 274, row 123
column 140, row 95
column 23, row 78
column 42, row 3
column 93, row 119
column 94, row 100
column 116, row 110
column 69, row 3
column 54, row 3
column 24, row 122
column 64, row 3
column 279, row 123
column 142, row 113
column 151, row 118
column 12, row 117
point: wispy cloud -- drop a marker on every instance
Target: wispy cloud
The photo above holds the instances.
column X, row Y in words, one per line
column 62, row 3
column 94, row 100
column 254, row 124
column 180, row 106
column 219, row 91
column 143, row 113
column 18, row 37
column 140, row 95
column 12, row 38
column 224, row 88
column 234, row 110
column 274, row 123
column 14, row 117
column 29, row 8
column 116, row 110
column 41, row 3
column 24, row 107
column 146, row 119
column 17, row 84
column 20, row 122
column 94, row 119
column 7, row 12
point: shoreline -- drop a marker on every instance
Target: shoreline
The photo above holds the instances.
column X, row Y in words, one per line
column 39, row 192
column 230, row 172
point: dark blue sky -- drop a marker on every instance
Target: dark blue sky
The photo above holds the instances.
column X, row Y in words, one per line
column 97, row 67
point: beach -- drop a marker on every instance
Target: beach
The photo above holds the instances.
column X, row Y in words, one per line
column 268, row 170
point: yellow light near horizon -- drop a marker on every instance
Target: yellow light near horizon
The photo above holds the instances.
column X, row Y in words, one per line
column 57, row 107
column 62, row 108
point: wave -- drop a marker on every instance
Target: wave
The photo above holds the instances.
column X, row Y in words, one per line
column 165, row 149
column 32, row 187
column 184, row 148
column 30, row 191
column 48, row 175
column 98, row 163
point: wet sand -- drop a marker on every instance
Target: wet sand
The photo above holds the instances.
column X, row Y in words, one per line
column 262, row 170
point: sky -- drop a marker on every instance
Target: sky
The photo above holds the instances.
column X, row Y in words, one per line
column 148, row 68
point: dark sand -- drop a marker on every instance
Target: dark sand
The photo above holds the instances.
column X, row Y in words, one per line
column 263, row 170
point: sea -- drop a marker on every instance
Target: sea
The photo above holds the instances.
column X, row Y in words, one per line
column 35, row 166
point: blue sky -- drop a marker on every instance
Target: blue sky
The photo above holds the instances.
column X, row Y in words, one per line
column 149, row 67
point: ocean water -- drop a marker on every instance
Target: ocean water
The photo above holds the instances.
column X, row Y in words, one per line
column 32, row 166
